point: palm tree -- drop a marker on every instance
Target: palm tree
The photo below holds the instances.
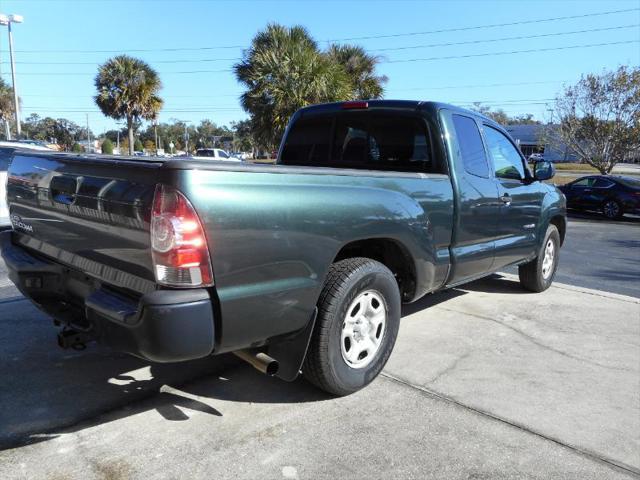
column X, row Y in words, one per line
column 128, row 88
column 284, row 70
column 6, row 105
column 361, row 70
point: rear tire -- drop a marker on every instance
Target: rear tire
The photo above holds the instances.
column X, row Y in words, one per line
column 612, row 209
column 538, row 274
column 356, row 327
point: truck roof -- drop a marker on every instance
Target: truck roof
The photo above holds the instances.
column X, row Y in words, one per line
column 395, row 104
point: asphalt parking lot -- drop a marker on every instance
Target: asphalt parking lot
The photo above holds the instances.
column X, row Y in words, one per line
column 601, row 254
column 486, row 381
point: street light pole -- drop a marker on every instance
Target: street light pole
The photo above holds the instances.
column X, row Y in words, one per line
column 8, row 20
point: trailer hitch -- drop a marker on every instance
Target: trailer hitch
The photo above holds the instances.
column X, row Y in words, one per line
column 71, row 338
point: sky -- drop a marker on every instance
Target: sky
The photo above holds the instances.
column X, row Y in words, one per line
column 450, row 51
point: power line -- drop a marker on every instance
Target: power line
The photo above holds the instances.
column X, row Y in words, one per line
column 521, row 37
column 494, row 25
column 448, row 87
column 512, row 52
column 368, row 37
column 410, row 47
column 206, row 108
column 450, row 57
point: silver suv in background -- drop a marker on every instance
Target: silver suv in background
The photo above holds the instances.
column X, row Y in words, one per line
column 215, row 154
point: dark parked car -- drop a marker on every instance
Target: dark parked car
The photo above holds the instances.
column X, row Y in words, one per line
column 612, row 195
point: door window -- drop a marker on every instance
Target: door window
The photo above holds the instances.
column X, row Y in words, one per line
column 471, row 147
column 584, row 183
column 602, row 183
column 507, row 162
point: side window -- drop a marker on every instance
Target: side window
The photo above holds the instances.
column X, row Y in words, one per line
column 471, row 147
column 602, row 183
column 584, row 182
column 507, row 161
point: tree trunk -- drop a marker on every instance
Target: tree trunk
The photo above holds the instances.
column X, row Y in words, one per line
column 7, row 129
column 130, row 131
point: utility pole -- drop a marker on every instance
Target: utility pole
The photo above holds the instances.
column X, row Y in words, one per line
column 8, row 20
column 88, row 136
column 155, row 131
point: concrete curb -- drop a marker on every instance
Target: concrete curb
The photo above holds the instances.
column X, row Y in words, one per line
column 588, row 291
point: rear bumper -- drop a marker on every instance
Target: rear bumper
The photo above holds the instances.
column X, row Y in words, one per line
column 161, row 326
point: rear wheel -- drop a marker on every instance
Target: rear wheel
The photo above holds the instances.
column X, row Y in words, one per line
column 356, row 328
column 538, row 274
column 612, row 209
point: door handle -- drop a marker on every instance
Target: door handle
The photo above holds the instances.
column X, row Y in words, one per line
column 506, row 199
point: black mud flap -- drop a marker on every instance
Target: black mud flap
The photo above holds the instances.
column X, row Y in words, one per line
column 291, row 351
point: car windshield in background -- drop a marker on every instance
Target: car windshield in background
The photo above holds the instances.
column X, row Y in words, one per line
column 629, row 182
column 366, row 140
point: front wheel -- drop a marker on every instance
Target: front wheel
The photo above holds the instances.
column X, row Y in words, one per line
column 538, row 274
column 356, row 327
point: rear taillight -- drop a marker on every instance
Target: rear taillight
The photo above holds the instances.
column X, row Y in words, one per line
column 178, row 244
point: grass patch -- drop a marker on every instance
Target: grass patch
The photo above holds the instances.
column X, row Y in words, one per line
column 575, row 167
column 562, row 180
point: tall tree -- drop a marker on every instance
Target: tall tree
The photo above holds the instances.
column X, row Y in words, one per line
column 361, row 70
column 600, row 117
column 503, row 118
column 283, row 70
column 6, row 106
column 128, row 88
column 60, row 131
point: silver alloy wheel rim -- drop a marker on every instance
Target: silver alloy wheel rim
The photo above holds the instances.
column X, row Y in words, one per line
column 363, row 329
column 611, row 209
column 547, row 261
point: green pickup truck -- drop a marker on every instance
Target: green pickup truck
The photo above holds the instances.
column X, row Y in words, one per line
column 299, row 266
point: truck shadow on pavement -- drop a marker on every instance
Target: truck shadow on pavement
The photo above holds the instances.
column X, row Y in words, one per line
column 47, row 392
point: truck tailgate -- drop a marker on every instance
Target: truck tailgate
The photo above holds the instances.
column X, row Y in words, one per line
column 89, row 214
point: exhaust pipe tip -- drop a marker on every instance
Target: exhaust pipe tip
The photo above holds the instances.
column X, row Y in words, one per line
column 260, row 361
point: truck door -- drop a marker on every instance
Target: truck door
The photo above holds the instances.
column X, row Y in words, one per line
column 477, row 204
column 520, row 201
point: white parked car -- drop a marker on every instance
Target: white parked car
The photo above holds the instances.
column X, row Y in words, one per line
column 6, row 149
column 215, row 154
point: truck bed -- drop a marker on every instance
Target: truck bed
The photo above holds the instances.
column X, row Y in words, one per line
column 272, row 231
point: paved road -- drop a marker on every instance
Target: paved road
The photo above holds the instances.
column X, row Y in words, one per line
column 601, row 254
column 485, row 382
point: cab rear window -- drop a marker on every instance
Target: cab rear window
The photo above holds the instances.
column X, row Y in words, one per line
column 361, row 140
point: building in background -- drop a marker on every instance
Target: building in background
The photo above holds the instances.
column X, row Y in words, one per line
column 542, row 139
column 90, row 146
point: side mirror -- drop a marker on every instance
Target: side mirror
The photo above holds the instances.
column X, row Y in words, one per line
column 543, row 170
